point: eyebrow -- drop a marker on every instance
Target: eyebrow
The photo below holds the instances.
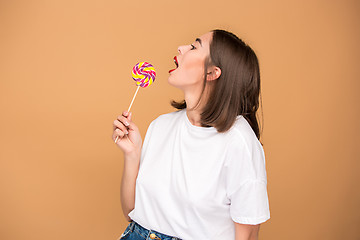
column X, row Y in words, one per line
column 198, row 40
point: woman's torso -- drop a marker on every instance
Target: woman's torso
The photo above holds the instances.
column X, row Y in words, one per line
column 181, row 189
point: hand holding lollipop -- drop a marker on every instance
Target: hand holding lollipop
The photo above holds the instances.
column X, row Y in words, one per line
column 144, row 75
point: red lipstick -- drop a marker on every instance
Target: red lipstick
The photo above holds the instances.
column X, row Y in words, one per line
column 176, row 63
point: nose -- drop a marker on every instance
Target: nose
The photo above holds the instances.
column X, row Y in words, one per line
column 183, row 49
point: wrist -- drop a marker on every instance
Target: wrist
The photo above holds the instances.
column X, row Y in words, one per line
column 132, row 156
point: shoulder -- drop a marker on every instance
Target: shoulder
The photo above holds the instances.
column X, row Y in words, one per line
column 241, row 134
column 159, row 130
column 245, row 151
column 167, row 119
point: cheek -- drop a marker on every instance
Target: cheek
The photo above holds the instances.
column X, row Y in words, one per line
column 189, row 73
column 193, row 68
column 186, row 78
column 194, row 60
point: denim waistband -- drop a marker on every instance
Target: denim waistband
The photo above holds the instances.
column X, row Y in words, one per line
column 150, row 234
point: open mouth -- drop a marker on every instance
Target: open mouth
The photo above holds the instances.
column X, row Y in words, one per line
column 176, row 63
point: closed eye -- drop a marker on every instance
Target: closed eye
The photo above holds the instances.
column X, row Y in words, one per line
column 192, row 47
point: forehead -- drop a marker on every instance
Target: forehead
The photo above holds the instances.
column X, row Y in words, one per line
column 206, row 38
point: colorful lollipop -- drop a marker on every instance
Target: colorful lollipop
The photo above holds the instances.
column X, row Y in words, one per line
column 144, row 75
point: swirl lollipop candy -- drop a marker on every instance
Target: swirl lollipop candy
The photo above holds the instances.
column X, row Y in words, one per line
column 144, row 75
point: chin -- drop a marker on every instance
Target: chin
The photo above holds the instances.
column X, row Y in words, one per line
column 171, row 81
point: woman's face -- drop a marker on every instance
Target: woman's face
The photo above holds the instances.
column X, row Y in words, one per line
column 189, row 74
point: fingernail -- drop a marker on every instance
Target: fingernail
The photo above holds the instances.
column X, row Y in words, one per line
column 127, row 124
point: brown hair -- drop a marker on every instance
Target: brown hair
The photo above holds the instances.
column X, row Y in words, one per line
column 237, row 90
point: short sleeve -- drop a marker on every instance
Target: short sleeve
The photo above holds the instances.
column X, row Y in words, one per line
column 249, row 204
column 246, row 182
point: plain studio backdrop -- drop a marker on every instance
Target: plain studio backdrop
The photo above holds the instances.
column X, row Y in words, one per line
column 65, row 75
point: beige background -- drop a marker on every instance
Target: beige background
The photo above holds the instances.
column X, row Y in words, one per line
column 65, row 76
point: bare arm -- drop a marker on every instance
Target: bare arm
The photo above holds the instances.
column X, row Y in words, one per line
column 128, row 183
column 246, row 232
column 129, row 141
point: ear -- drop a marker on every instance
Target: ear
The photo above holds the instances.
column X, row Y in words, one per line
column 213, row 73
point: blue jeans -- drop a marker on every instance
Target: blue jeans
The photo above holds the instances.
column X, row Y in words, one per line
column 136, row 232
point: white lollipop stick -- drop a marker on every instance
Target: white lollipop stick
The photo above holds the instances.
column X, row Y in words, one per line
column 132, row 101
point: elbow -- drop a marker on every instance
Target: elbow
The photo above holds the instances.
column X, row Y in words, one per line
column 246, row 231
column 128, row 218
column 126, row 214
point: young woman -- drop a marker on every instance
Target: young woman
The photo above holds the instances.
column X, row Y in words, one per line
column 200, row 173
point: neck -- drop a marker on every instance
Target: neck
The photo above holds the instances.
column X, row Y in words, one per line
column 194, row 108
column 194, row 117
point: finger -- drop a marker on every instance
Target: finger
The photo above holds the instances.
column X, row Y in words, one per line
column 115, row 137
column 124, row 120
column 119, row 125
column 118, row 133
column 125, row 113
column 116, row 124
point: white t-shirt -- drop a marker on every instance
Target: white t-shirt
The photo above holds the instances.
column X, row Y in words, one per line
column 194, row 182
